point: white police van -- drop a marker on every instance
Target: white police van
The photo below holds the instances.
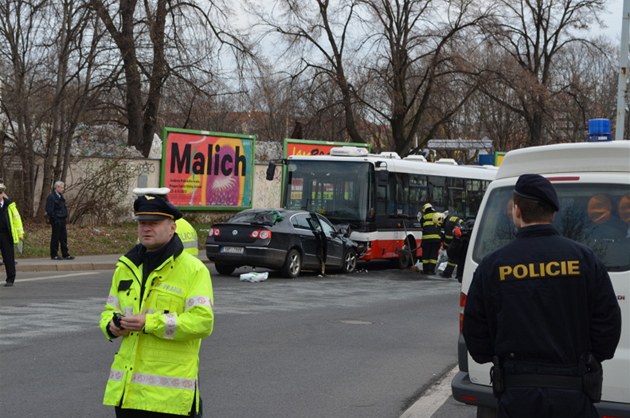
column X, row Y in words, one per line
column 593, row 184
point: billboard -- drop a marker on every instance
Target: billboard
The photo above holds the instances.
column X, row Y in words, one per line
column 311, row 147
column 208, row 170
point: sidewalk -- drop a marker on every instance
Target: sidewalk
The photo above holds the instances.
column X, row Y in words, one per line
column 85, row 262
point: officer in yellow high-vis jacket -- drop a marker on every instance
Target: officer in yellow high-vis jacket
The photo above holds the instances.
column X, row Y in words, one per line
column 160, row 303
column 11, row 233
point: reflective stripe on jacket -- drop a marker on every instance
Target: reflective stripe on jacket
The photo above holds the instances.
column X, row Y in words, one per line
column 430, row 231
column 156, row 370
column 188, row 235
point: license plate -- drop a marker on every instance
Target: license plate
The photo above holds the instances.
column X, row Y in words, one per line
column 232, row 250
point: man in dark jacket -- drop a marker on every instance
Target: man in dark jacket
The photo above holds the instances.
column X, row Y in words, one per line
column 57, row 214
column 544, row 311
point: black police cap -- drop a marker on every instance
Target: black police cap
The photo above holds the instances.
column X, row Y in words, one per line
column 152, row 208
column 536, row 187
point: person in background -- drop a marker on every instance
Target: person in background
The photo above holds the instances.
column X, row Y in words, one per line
column 458, row 247
column 11, row 233
column 57, row 214
column 161, row 304
column 450, row 224
column 543, row 310
column 431, row 238
column 185, row 230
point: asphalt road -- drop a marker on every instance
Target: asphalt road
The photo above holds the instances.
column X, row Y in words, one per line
column 362, row 345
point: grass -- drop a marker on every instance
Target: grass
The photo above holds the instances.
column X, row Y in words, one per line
column 88, row 240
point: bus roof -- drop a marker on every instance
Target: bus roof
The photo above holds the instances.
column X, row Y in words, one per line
column 613, row 156
column 413, row 165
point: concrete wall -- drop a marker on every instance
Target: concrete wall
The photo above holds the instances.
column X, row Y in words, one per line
column 146, row 173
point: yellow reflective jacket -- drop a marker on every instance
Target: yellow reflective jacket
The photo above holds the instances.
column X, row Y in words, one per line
column 430, row 231
column 157, row 369
column 188, row 235
column 17, row 228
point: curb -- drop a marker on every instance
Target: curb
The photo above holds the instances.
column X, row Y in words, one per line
column 65, row 267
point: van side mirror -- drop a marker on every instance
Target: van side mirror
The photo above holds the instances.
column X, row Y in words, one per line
column 271, row 169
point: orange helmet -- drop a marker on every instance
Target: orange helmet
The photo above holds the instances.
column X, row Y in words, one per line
column 599, row 208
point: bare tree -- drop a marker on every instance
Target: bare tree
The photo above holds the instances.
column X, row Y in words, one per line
column 418, row 59
column 24, row 112
column 318, row 34
column 167, row 27
column 75, row 52
column 529, row 35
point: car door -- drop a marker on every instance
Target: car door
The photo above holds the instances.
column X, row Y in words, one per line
column 307, row 238
column 334, row 244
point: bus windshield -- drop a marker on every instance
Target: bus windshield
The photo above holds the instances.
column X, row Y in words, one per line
column 339, row 191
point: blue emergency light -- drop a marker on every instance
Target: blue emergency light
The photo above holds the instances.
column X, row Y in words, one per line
column 599, row 130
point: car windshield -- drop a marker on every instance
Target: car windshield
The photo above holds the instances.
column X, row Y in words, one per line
column 257, row 217
column 594, row 214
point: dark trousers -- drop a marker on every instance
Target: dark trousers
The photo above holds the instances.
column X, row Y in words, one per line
column 58, row 238
column 135, row 413
column 8, row 254
column 545, row 403
column 430, row 251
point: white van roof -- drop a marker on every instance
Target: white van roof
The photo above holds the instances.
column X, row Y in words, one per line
column 613, row 156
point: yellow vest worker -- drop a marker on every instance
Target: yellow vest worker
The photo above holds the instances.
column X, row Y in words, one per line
column 160, row 305
column 188, row 235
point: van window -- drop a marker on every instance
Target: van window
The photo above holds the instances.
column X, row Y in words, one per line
column 593, row 214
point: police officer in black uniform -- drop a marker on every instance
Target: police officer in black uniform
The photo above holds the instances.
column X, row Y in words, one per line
column 543, row 310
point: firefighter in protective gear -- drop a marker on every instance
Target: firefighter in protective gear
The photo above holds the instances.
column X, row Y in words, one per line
column 431, row 238
column 450, row 224
column 160, row 303
column 187, row 233
column 544, row 311
column 459, row 246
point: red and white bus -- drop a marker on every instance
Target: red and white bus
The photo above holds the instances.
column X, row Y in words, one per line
column 380, row 195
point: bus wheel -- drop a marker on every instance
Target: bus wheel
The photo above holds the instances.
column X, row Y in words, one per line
column 406, row 256
column 292, row 264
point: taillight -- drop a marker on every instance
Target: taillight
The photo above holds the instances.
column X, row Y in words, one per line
column 262, row 234
column 214, row 232
column 462, row 305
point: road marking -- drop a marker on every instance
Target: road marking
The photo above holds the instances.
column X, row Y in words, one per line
column 59, row 276
column 432, row 399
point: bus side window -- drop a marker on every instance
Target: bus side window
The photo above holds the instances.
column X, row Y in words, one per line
column 437, row 191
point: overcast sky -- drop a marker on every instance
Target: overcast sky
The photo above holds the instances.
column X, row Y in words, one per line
column 613, row 18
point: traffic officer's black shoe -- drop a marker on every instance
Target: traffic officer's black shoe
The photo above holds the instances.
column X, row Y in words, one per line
column 8, row 284
column 56, row 258
column 68, row 257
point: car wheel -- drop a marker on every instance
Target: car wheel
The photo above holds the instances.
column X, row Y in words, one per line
column 349, row 261
column 224, row 269
column 292, row 264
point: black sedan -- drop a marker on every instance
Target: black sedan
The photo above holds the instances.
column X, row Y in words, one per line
column 280, row 239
